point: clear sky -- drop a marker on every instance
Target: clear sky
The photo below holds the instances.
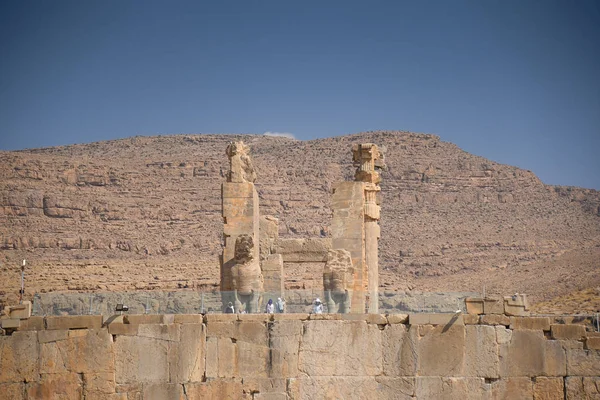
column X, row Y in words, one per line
column 514, row 81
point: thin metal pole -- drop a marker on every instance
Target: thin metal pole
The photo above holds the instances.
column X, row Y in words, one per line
column 22, row 282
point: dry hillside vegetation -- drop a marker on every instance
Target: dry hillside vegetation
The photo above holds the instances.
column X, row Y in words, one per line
column 144, row 213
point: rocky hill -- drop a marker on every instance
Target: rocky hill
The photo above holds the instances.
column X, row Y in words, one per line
column 144, row 213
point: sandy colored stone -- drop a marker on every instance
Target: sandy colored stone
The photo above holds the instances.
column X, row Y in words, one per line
column 75, row 322
column 284, row 337
column 34, row 323
column 227, row 389
column 188, row 318
column 548, row 388
column 436, row 319
column 92, row 352
column 12, row 391
column 531, row 323
column 99, row 384
column 434, row 387
column 471, row 319
column 141, row 359
column 399, row 355
column 474, row 305
column 567, row 331
column 342, row 348
column 512, row 388
column 163, row 391
column 495, row 319
column 353, row 387
column 503, row 335
column 592, row 343
column 123, row 329
column 582, row 388
column 52, row 336
column 440, row 350
column 555, row 359
column 481, row 352
column 57, row 386
column 493, row 305
column 187, row 357
column 10, row 323
column 397, row 318
column 19, row 357
column 583, row 362
column 524, row 355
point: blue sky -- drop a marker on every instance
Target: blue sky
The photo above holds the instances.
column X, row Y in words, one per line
column 514, row 81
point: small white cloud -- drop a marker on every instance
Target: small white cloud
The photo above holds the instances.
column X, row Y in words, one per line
column 281, row 134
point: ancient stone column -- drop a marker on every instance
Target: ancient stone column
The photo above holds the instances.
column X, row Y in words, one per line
column 240, row 218
column 366, row 156
column 355, row 226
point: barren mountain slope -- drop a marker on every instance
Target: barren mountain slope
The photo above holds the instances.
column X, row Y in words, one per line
column 144, row 213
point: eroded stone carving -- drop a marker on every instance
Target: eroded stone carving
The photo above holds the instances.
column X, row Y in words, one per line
column 240, row 163
column 338, row 280
column 246, row 276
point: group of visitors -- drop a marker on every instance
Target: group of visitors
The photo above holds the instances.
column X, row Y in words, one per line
column 271, row 307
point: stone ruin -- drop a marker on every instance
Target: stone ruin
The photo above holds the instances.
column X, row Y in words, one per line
column 348, row 261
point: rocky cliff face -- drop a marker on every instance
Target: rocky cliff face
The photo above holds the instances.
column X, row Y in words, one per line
column 144, row 213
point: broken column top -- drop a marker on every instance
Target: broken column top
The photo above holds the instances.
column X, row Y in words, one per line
column 240, row 164
column 367, row 156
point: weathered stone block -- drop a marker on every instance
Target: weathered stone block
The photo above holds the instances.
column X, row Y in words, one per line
column 52, row 336
column 75, row 322
column 435, row 387
column 592, row 343
column 578, row 388
column 143, row 319
column 98, row 385
column 164, row 332
column 208, row 318
column 568, row 331
column 19, row 357
column 123, row 329
column 162, row 391
column 435, row 319
column 35, row 323
column 400, row 350
column 517, row 305
column 284, row 338
column 186, row 357
column 19, row 311
column 481, row 352
column 57, row 386
column 503, row 335
column 440, row 350
column 141, row 359
column 332, row 348
column 583, row 362
column 188, row 318
column 555, row 360
column 397, row 318
column 10, row 323
column 548, row 388
column 215, row 389
column 512, row 388
column 89, row 352
column 531, row 323
column 495, row 319
column 12, row 391
column 352, row 387
column 294, row 316
column 524, row 355
column 474, row 305
column 493, row 305
column 471, row 319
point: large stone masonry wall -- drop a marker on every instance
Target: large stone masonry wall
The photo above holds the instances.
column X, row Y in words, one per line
column 299, row 356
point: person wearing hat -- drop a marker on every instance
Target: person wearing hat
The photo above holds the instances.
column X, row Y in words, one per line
column 280, row 305
column 318, row 306
column 270, row 308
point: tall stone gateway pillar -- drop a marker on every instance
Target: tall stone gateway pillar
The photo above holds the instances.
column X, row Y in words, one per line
column 355, row 226
column 241, row 276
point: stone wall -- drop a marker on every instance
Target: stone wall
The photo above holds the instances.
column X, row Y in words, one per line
column 298, row 356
